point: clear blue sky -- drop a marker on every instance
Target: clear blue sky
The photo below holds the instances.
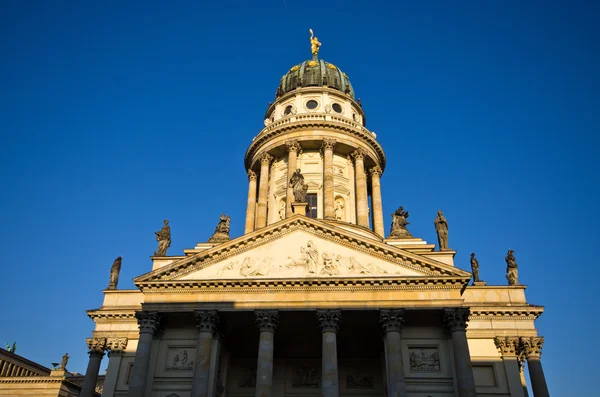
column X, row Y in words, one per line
column 117, row 115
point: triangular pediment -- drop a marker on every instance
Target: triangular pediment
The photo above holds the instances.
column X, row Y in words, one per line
column 300, row 247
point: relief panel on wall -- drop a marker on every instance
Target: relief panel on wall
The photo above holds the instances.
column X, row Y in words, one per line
column 424, row 359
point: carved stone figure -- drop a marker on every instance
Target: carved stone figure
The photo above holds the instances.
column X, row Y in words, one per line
column 221, row 233
column 329, row 267
column 163, row 236
column 441, row 227
column 64, row 361
column 309, row 258
column 399, row 224
column 114, row 274
column 314, row 44
column 339, row 210
column 475, row 268
column 512, row 272
column 299, row 188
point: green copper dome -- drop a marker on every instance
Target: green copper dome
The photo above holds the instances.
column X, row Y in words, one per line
column 315, row 73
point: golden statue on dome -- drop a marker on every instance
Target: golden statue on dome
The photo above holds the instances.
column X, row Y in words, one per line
column 314, row 44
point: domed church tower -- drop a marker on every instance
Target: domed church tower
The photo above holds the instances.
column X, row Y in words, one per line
column 316, row 127
column 313, row 300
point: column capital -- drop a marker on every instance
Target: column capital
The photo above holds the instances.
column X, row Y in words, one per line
column 96, row 346
column 328, row 144
column 251, row 175
column 456, row 319
column 507, row 345
column 376, row 171
column 148, row 321
column 359, row 154
column 293, row 146
column 532, row 346
column 391, row 320
column 329, row 320
column 116, row 345
column 265, row 158
column 267, row 320
column 207, row 320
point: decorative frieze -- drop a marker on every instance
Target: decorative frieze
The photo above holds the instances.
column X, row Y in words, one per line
column 391, row 320
column 359, row 378
column 329, row 320
column 456, row 319
column 207, row 320
column 267, row 320
column 148, row 321
column 306, row 377
column 178, row 359
column 424, row 359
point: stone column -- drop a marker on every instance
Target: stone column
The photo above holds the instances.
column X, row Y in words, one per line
column 115, row 347
column 329, row 322
column 456, row 322
column 267, row 321
column 362, row 201
column 96, row 346
column 328, row 191
column 521, row 359
column 391, row 322
column 263, row 190
column 293, row 148
column 509, row 348
column 148, row 322
column 376, row 200
column 532, row 346
column 251, row 208
column 206, row 323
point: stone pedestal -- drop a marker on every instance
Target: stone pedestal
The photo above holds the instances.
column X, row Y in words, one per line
column 456, row 323
column 267, row 321
column 148, row 323
column 206, row 323
column 479, row 283
column 299, row 208
column 391, row 322
column 329, row 322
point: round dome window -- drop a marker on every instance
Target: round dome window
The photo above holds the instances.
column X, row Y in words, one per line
column 312, row 104
column 337, row 107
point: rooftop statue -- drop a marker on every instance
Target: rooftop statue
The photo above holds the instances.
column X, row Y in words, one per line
column 163, row 236
column 12, row 349
column 221, row 233
column 512, row 272
column 475, row 268
column 114, row 273
column 64, row 361
column 399, row 223
column 441, row 227
column 299, row 188
column 314, row 44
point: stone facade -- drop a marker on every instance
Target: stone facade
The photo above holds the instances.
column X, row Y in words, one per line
column 320, row 304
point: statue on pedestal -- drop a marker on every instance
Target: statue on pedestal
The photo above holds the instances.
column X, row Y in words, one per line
column 114, row 273
column 512, row 272
column 441, row 227
column 299, row 188
column 399, row 223
column 475, row 268
column 221, row 233
column 64, row 361
column 163, row 236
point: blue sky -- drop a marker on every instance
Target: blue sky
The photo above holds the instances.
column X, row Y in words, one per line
column 117, row 115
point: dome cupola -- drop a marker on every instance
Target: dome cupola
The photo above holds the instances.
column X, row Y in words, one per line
column 315, row 73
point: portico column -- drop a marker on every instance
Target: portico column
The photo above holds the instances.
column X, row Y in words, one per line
column 362, row 202
column 376, row 198
column 328, row 191
column 206, row 323
column 293, row 148
column 263, row 190
column 267, row 321
column 521, row 359
column 509, row 348
column 148, row 322
column 329, row 322
column 533, row 352
column 251, row 208
column 456, row 322
column 96, row 347
column 391, row 322
column 115, row 347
